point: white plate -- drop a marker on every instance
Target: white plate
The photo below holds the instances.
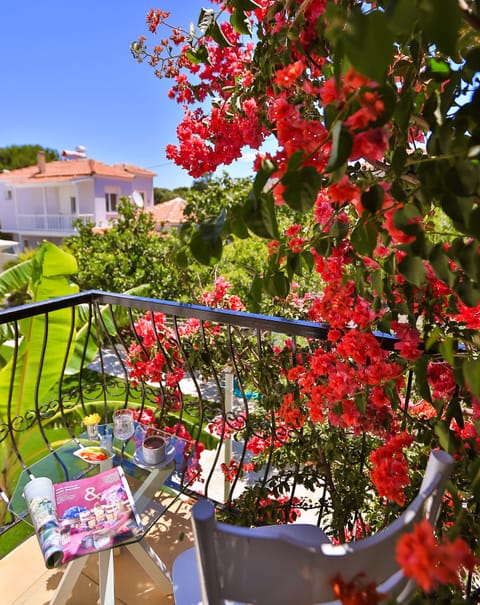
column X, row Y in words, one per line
column 84, row 452
column 169, row 456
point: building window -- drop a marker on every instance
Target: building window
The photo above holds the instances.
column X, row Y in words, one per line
column 111, row 202
column 73, row 205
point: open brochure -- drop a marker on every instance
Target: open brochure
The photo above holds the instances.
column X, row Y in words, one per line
column 76, row 518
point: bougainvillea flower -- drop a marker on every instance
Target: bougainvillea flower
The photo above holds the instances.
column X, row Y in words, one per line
column 431, row 563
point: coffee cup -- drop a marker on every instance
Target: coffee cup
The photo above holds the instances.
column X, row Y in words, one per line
column 153, row 448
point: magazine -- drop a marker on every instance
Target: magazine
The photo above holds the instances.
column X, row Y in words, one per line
column 79, row 517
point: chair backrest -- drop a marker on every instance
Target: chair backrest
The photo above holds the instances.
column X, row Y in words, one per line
column 242, row 565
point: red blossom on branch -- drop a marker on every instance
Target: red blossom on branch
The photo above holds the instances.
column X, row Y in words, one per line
column 431, row 563
column 390, row 469
column 358, row 591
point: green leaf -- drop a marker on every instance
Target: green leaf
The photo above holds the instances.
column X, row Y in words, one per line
column 446, row 437
column 40, row 347
column 267, row 168
column 364, row 238
column 473, row 223
column 206, row 242
column 413, row 270
column 433, row 338
column 472, row 64
column 399, row 159
column 301, row 188
column 16, row 277
column 402, row 16
column 457, row 208
column 421, row 377
column 205, row 19
column 295, row 161
column 294, row 264
column 471, row 373
column 389, row 97
column 441, row 23
column 259, row 216
column 341, row 148
column 466, row 255
column 86, row 344
column 215, row 31
column 372, row 199
column 448, row 348
column 376, row 279
column 277, row 285
column 205, row 247
column 240, row 23
column 454, row 410
column 181, row 258
column 463, row 178
column 469, row 293
column 440, row 264
column 235, row 222
column 199, row 55
column 440, row 70
column 361, row 403
column 369, row 43
column 246, row 5
column 339, row 229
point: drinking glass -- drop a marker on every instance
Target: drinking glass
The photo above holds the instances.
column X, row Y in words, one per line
column 123, row 426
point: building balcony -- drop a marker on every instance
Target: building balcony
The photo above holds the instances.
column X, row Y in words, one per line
column 83, row 353
column 43, row 223
column 211, row 376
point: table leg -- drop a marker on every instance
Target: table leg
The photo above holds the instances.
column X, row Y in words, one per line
column 152, row 564
column 68, row 581
column 106, row 577
column 145, row 493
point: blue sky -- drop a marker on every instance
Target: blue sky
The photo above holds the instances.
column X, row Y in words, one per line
column 68, row 78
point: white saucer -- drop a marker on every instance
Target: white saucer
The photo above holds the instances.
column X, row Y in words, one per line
column 169, row 456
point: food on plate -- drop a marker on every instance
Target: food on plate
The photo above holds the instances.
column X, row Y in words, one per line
column 93, row 454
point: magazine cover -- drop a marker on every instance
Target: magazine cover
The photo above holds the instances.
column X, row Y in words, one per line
column 39, row 495
column 87, row 515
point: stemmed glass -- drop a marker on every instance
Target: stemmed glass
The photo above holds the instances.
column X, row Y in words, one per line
column 123, row 426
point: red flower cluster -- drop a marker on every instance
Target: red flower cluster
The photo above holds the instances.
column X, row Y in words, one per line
column 219, row 297
column 280, row 510
column 431, row 563
column 390, row 469
column 358, row 591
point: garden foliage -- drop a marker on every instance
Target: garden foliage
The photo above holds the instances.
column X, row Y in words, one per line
column 371, row 114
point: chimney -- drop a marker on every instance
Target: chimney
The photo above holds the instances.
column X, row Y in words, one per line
column 41, row 161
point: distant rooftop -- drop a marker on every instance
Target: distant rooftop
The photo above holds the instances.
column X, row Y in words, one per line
column 169, row 213
column 71, row 169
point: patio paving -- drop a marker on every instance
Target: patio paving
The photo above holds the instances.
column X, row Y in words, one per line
column 24, row 579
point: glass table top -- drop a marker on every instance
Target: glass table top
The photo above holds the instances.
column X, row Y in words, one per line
column 145, row 481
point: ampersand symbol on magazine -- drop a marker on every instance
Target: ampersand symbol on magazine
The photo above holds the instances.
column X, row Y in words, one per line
column 91, row 494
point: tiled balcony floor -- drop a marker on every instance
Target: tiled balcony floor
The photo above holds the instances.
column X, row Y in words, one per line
column 24, row 580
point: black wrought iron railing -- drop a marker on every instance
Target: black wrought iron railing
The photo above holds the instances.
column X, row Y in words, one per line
column 212, row 376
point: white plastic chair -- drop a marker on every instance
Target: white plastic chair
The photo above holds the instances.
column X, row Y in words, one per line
column 294, row 564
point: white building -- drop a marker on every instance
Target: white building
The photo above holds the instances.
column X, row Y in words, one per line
column 40, row 202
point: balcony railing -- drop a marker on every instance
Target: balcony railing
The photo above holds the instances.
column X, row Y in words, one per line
column 58, row 223
column 208, row 374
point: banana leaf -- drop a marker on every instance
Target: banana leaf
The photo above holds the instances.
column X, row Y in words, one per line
column 42, row 348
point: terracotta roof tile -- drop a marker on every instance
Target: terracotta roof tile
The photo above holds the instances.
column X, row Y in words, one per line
column 135, row 170
column 71, row 169
column 169, row 213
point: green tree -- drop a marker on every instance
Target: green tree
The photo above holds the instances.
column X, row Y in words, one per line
column 19, row 156
column 128, row 254
column 215, row 206
column 160, row 194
